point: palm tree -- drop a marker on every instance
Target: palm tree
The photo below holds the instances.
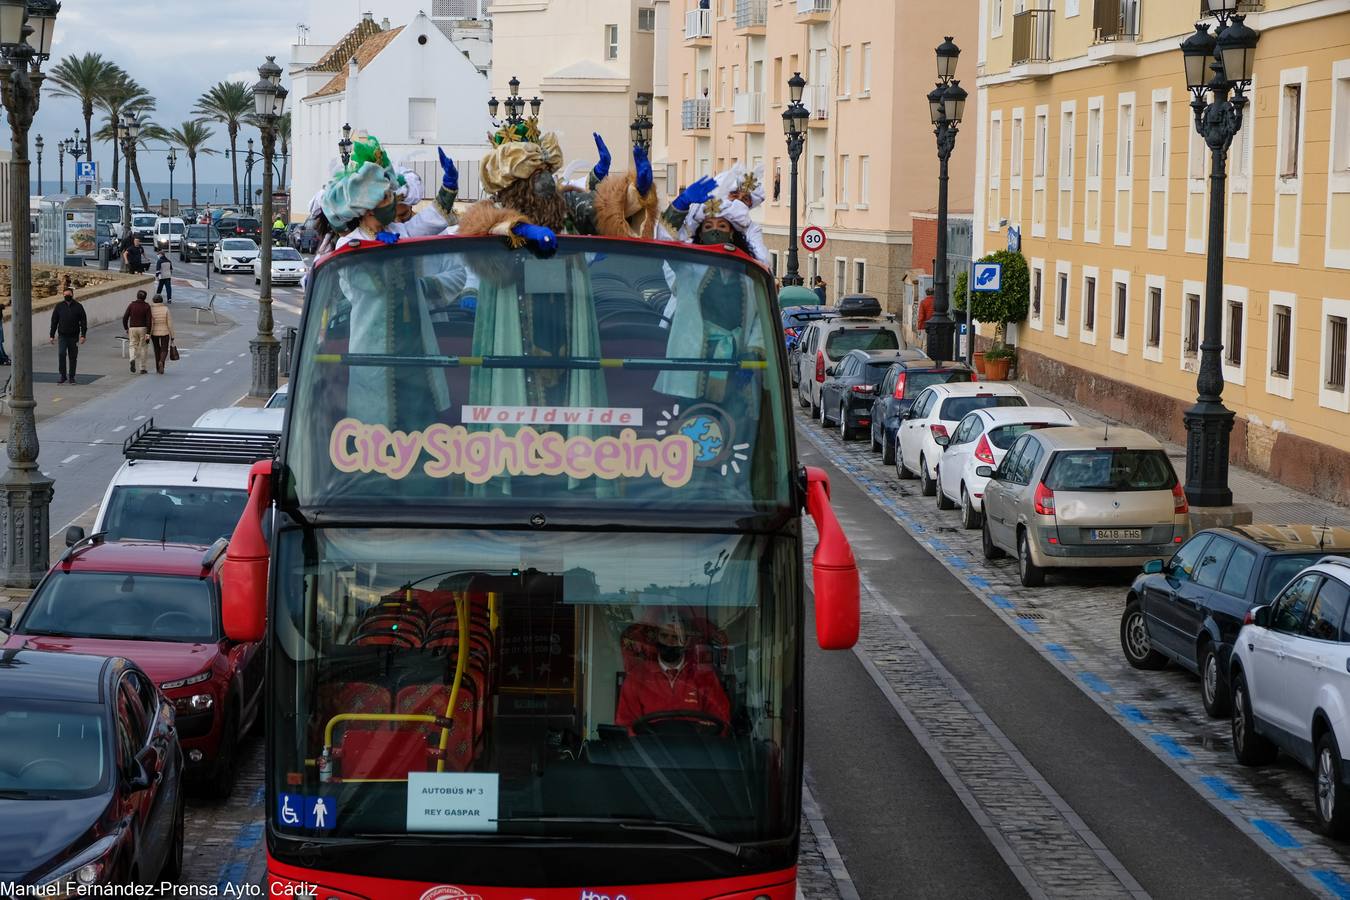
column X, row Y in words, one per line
column 150, row 132
column 83, row 78
column 229, row 103
column 192, row 136
column 122, row 95
column 284, row 133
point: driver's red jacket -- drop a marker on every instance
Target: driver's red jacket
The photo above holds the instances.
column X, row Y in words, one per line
column 650, row 689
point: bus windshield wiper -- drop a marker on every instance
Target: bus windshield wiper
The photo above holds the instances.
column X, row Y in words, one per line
column 745, row 852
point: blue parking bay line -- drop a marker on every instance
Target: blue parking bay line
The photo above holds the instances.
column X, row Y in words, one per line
column 232, row 874
column 939, row 546
column 1333, row 882
column 1096, row 682
column 1059, row 652
column 1029, row 626
column 957, row 562
column 1169, row 743
column 1222, row 789
column 1133, row 713
column 1001, row 601
column 1277, row 835
column 248, row 836
column 978, row 582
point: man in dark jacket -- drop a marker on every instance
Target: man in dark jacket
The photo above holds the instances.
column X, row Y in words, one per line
column 136, row 323
column 71, row 325
column 134, row 257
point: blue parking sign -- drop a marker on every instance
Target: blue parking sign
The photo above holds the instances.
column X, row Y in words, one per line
column 86, row 169
column 988, row 278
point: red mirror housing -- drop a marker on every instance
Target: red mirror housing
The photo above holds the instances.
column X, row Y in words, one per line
column 835, row 570
column 243, row 575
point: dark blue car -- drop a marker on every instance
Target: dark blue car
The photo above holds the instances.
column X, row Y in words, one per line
column 1190, row 609
column 907, row 379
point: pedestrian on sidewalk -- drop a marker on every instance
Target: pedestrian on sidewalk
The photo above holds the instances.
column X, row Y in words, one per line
column 70, row 324
column 134, row 257
column 4, row 357
column 820, row 289
column 161, row 331
column 164, row 275
column 136, row 323
column 925, row 313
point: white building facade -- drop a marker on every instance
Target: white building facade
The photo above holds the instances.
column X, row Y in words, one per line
column 411, row 87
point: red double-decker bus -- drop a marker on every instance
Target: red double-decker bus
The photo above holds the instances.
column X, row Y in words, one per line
column 529, row 568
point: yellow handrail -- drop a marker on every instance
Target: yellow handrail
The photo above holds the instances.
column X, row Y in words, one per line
column 462, row 613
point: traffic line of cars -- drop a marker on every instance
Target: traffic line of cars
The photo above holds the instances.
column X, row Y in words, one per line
column 1258, row 612
column 119, row 690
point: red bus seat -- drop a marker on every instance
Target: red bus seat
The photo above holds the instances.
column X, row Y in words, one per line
column 431, row 700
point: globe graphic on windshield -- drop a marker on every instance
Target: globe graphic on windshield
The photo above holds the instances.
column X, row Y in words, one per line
column 706, row 433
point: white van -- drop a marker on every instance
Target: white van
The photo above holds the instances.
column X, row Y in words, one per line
column 169, row 233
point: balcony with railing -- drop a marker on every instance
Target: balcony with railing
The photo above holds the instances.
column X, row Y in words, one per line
column 1115, row 29
column 814, row 10
column 696, row 115
column 698, row 25
column 748, row 109
column 1031, row 40
column 817, row 100
column 751, row 14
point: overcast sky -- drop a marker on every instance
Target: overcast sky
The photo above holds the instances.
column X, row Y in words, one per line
column 177, row 50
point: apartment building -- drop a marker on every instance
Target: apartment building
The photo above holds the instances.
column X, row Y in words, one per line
column 870, row 157
column 1087, row 142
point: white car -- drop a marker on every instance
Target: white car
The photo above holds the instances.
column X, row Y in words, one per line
column 242, row 418
column 168, row 232
column 980, row 442
column 278, row 398
column 1290, row 688
column 288, row 267
column 934, row 415
column 143, row 226
column 234, row 255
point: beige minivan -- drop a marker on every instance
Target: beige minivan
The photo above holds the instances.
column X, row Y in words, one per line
column 1083, row 497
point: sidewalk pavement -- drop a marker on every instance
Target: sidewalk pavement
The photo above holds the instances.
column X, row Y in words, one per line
column 1269, row 501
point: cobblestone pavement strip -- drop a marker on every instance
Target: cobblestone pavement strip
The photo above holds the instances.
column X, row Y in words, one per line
column 224, row 841
column 1073, row 622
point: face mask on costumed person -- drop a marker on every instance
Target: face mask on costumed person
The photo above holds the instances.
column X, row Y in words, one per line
column 385, row 215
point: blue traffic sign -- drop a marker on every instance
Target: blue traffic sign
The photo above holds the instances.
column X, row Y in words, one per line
column 86, row 170
column 988, row 278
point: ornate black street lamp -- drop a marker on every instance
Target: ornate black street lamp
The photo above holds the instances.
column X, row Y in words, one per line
column 795, row 118
column 25, row 493
column 515, row 105
column 76, row 147
column 1219, row 102
column 270, row 102
column 642, row 124
column 345, row 145
column 173, row 162
column 61, row 147
column 37, row 145
column 946, row 107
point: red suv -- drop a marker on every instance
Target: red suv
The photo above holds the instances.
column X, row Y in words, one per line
column 159, row 606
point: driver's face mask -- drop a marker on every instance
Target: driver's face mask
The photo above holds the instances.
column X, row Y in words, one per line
column 671, row 655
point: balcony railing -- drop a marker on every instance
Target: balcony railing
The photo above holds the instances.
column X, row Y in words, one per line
column 817, row 100
column 1031, row 36
column 696, row 115
column 751, row 13
column 811, row 7
column 697, row 24
column 748, row 109
column 1116, row 20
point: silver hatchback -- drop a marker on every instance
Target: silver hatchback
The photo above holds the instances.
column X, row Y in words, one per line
column 1083, row 497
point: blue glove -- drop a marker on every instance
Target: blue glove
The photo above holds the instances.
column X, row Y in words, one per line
column 602, row 167
column 387, row 237
column 449, row 174
column 698, row 192
column 543, row 238
column 644, row 170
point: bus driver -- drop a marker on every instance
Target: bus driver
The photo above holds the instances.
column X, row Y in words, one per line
column 672, row 683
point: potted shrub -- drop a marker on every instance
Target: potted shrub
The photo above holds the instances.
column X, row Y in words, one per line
column 1010, row 303
column 998, row 359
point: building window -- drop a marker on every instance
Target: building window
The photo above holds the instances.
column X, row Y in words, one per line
column 859, row 276
column 1042, row 135
column 1160, row 134
column 1094, row 142
column 818, row 175
column 1015, row 151
column 1336, row 351
column 773, row 261
column 722, row 87
column 1340, row 129
column 422, row 118
column 864, row 180
column 867, row 68
column 1233, row 346
column 840, row 277
column 1037, row 276
column 611, row 42
column 1089, row 303
column 1066, row 137
column 1190, row 344
column 996, row 20
column 845, row 169
column 1284, row 320
column 1291, row 99
column 646, row 18
column 1122, row 310
column 1125, row 143
column 1062, row 300
column 1155, row 299
column 846, row 73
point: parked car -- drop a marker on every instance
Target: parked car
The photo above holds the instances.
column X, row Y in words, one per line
column 242, row 418
column 143, row 226
column 157, row 604
column 1289, row 686
column 199, row 241
column 1190, row 609
column 907, row 378
column 1079, row 497
column 234, row 255
column 850, row 386
column 934, row 415
column 305, row 237
column 982, row 439
column 90, row 775
column 169, row 233
column 278, row 398
column 240, row 227
column 795, row 319
column 858, row 324
column 288, row 267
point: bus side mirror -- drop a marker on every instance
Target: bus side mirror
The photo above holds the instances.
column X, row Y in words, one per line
column 834, row 568
column 243, row 575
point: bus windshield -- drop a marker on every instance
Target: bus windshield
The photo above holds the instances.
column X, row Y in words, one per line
column 612, row 374
column 605, row 680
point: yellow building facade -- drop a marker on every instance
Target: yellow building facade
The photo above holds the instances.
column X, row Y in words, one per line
column 1087, row 142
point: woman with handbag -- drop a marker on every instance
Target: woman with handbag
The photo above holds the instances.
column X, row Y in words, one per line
column 161, row 333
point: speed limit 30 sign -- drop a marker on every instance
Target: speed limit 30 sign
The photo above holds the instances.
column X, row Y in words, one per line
column 813, row 239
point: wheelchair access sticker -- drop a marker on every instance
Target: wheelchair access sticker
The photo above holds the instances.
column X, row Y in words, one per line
column 305, row 811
